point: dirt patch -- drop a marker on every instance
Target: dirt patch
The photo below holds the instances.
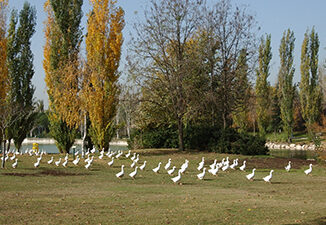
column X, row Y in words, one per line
column 277, row 163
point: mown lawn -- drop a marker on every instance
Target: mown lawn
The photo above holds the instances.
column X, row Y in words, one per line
column 74, row 195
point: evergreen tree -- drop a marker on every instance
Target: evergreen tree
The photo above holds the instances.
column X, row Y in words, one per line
column 262, row 85
column 285, row 79
column 21, row 71
column 310, row 91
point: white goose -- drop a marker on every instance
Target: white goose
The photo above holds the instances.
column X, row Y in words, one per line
column 51, row 160
column 88, row 164
column 37, row 163
column 156, row 169
column 111, row 162
column 76, row 161
column 201, row 164
column 133, row 157
column 288, row 167
column 13, row 157
column 226, row 166
column 64, row 164
column 243, row 167
column 168, row 164
column 250, row 176
column 201, row 175
column 88, row 158
column 134, row 173
column 308, row 171
column 58, row 162
column 119, row 154
column 269, row 177
column 136, row 159
column 14, row 165
column 177, row 178
column 234, row 164
column 212, row 166
column 121, row 173
column 66, row 157
column 101, row 156
column 133, row 164
column 170, row 171
column 142, row 167
column 213, row 171
column 128, row 154
column 184, row 166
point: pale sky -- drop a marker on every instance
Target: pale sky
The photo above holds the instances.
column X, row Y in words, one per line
column 273, row 16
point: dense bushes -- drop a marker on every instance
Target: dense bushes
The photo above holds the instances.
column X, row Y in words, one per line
column 200, row 138
column 161, row 137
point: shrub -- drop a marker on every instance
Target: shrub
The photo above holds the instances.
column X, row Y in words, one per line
column 201, row 138
column 158, row 137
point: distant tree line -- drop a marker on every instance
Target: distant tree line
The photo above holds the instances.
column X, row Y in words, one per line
column 201, row 73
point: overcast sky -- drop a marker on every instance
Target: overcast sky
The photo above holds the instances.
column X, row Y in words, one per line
column 273, row 16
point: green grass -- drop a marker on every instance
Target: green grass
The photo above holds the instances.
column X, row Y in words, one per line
column 74, row 195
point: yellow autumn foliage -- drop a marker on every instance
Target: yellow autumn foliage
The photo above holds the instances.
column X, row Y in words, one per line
column 4, row 83
column 103, row 47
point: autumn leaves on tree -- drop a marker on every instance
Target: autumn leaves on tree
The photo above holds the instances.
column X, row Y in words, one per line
column 77, row 89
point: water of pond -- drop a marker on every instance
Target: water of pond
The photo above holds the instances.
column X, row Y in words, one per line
column 299, row 154
column 52, row 149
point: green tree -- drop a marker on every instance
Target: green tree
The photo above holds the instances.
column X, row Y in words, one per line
column 241, row 113
column 262, row 85
column 310, row 91
column 285, row 79
column 21, row 71
column 160, row 61
column 61, row 51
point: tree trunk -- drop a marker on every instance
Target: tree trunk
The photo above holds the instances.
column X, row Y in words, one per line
column 128, row 127
column 3, row 154
column 84, row 136
column 8, row 146
column 180, row 129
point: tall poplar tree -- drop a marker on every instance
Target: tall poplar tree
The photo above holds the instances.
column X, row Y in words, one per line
column 61, row 51
column 310, row 91
column 103, row 47
column 3, row 51
column 262, row 85
column 21, row 71
column 241, row 113
column 4, row 84
column 285, row 80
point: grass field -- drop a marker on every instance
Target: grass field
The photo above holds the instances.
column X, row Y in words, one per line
column 74, row 195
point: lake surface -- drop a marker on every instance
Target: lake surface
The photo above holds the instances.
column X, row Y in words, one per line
column 52, row 149
column 299, row 154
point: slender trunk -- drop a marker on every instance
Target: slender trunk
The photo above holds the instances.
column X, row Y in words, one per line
column 3, row 154
column 180, row 129
column 8, row 146
column 117, row 120
column 85, row 134
column 224, row 120
column 128, row 127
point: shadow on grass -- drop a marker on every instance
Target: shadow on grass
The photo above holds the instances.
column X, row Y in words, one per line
column 46, row 172
column 318, row 221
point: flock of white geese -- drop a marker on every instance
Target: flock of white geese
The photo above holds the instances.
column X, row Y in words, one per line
column 213, row 168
